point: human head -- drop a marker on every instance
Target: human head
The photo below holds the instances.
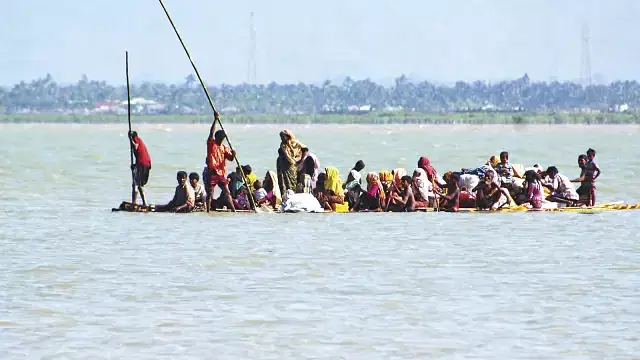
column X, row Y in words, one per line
column 455, row 178
column 181, row 177
column 359, row 165
column 406, row 181
column 247, row 169
column 424, row 162
column 286, row 135
column 419, row 173
column 504, row 157
column 305, row 149
column 488, row 177
column 591, row 154
column 552, row 171
column 530, row 176
column 219, row 136
column 134, row 134
column 194, row 178
column 309, row 166
column 582, row 160
column 257, row 185
column 493, row 161
column 268, row 182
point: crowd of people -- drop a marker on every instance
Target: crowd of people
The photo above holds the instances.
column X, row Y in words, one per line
column 494, row 185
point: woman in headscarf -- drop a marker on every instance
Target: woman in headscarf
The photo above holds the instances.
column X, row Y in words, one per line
column 422, row 189
column 432, row 175
column 386, row 179
column 289, row 155
column 333, row 191
column 272, row 188
column 373, row 198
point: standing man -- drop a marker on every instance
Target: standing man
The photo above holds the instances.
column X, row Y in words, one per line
column 217, row 156
column 141, row 168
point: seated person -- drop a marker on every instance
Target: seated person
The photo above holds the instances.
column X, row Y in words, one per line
column 451, row 201
column 183, row 199
column 241, row 202
column 198, row 189
column 562, row 190
column 259, row 193
column 403, row 200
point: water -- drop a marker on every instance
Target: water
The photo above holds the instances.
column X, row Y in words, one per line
column 78, row 281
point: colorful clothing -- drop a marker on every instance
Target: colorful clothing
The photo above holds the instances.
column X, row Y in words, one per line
column 425, row 164
column 274, row 194
column 287, row 173
column 534, row 192
column 217, row 156
column 397, row 176
column 292, row 147
column 333, row 182
column 251, row 179
column 141, row 153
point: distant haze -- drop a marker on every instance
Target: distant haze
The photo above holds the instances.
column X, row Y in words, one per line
column 310, row 41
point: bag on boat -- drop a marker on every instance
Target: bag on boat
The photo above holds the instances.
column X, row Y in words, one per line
column 300, row 203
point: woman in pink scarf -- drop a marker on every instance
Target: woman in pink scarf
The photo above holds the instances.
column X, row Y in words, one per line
column 425, row 164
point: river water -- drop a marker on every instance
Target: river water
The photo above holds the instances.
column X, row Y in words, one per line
column 80, row 282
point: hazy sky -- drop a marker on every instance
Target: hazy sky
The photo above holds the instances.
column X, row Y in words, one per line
column 437, row 40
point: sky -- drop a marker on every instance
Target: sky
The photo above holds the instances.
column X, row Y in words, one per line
column 311, row 41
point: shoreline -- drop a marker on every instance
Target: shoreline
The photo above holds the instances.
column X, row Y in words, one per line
column 168, row 127
column 373, row 118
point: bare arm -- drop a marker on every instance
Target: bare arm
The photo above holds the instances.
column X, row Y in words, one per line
column 216, row 118
column 596, row 172
column 581, row 178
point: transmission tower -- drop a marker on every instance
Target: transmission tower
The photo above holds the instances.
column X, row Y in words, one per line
column 251, row 63
column 585, row 67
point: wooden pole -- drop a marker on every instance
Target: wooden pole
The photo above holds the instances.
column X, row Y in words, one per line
column 206, row 92
column 133, row 181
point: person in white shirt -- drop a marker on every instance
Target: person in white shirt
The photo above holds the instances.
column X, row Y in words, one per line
column 562, row 190
column 198, row 189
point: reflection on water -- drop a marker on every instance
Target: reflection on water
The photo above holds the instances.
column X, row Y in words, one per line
column 81, row 282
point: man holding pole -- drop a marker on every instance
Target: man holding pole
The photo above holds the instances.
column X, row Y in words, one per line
column 217, row 156
column 141, row 168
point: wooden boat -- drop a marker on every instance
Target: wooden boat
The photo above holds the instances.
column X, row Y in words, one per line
column 613, row 206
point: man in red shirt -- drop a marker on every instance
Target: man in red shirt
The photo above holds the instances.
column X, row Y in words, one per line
column 217, row 156
column 141, row 168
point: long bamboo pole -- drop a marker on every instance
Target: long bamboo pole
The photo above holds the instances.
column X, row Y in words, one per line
column 133, row 180
column 206, row 91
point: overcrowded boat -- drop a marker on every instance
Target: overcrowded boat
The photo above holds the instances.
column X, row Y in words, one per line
column 300, row 184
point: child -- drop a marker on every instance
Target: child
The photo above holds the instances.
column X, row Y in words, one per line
column 198, row 189
column 504, row 169
column 249, row 175
column 259, row 194
column 534, row 189
column 241, row 202
column 451, row 201
column 592, row 172
column 587, row 189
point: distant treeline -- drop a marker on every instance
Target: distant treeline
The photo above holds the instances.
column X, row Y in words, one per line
column 45, row 95
column 374, row 118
